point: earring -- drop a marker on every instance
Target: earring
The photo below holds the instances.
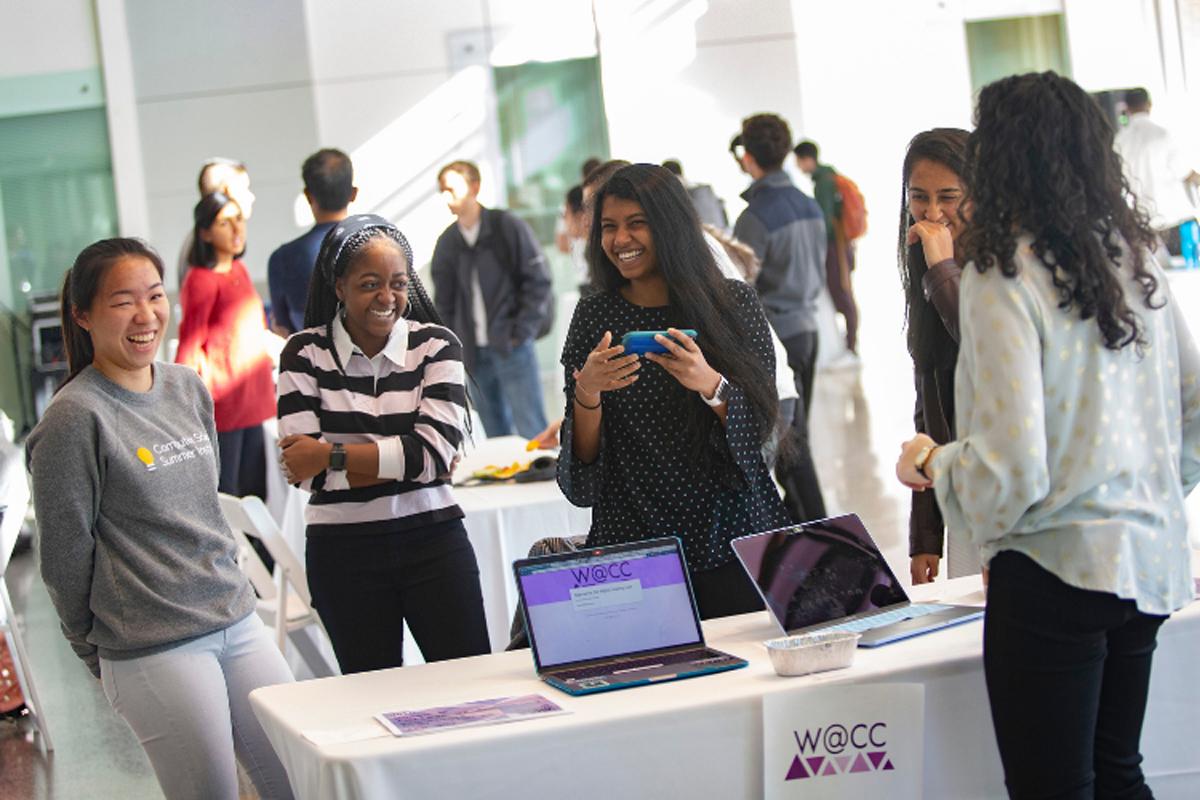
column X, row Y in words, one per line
column 341, row 311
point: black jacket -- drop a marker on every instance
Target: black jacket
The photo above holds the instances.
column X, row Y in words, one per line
column 934, row 412
column 513, row 276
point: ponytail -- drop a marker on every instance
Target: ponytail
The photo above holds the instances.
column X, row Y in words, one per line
column 76, row 340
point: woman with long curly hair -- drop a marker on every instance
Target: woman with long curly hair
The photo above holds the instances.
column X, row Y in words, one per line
column 671, row 446
column 1078, row 391
column 931, row 224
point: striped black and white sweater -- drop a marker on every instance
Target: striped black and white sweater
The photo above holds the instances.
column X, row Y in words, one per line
column 410, row 399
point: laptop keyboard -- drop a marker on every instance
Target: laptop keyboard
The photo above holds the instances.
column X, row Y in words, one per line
column 888, row 617
column 634, row 664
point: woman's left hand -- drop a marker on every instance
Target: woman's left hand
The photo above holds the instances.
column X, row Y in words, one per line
column 302, row 457
column 906, row 465
column 685, row 362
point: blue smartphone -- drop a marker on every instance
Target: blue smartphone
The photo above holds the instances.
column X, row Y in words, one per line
column 641, row 342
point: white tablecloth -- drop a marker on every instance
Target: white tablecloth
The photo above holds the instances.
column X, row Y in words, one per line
column 695, row 738
column 502, row 521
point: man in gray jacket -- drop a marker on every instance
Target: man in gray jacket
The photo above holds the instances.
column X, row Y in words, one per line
column 786, row 230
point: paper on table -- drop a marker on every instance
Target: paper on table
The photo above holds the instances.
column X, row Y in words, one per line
column 354, row 733
column 478, row 712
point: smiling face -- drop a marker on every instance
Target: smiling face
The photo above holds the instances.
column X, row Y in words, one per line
column 374, row 291
column 626, row 238
column 935, row 193
column 227, row 234
column 126, row 321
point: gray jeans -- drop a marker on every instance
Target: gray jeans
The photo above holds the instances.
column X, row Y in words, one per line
column 183, row 702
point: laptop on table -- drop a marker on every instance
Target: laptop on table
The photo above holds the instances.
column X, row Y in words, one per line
column 613, row 617
column 830, row 575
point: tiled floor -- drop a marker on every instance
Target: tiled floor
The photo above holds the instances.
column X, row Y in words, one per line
column 860, row 416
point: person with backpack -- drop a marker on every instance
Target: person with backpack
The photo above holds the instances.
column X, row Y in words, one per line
column 492, row 287
column 845, row 220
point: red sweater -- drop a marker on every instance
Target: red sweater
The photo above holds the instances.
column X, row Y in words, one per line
column 221, row 337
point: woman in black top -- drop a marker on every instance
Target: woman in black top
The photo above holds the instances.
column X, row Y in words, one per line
column 931, row 222
column 672, row 445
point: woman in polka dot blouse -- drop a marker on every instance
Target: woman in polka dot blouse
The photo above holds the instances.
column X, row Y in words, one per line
column 669, row 444
column 1078, row 431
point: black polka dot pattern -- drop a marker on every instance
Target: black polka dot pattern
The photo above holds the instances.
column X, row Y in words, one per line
column 646, row 482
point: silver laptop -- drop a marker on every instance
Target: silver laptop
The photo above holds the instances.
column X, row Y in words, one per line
column 829, row 575
column 613, row 617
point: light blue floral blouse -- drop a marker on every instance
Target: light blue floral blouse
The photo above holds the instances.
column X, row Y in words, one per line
column 1075, row 455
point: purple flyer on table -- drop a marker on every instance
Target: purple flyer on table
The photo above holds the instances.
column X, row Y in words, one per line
column 466, row 715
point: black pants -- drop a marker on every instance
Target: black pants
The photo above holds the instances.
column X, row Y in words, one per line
column 797, row 474
column 366, row 587
column 1068, row 672
column 243, row 462
column 725, row 591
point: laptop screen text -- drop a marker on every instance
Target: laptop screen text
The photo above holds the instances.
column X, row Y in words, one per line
column 598, row 606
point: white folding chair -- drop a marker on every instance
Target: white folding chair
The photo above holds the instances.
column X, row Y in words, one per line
column 13, row 506
column 283, row 599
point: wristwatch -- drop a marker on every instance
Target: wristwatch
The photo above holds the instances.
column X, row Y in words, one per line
column 337, row 458
column 922, row 458
column 720, row 396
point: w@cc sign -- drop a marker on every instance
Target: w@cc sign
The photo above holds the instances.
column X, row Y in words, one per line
column 844, row 742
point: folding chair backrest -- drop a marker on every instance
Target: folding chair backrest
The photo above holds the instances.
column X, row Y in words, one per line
column 254, row 518
column 240, row 524
column 14, row 498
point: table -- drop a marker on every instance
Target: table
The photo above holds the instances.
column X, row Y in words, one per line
column 502, row 520
column 692, row 738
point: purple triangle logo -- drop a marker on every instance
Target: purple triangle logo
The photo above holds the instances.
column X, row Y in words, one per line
column 876, row 758
column 888, row 765
column 844, row 763
column 815, row 762
column 860, row 764
column 797, row 770
column 829, row 768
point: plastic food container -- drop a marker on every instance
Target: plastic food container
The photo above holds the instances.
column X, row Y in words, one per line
column 812, row 652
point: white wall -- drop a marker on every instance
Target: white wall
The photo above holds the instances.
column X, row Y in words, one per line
column 47, row 36
column 678, row 83
column 221, row 78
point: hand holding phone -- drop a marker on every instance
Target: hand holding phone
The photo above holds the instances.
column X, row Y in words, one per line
column 607, row 367
column 641, row 342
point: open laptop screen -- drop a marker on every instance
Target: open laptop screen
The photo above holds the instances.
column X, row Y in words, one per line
column 609, row 602
column 819, row 571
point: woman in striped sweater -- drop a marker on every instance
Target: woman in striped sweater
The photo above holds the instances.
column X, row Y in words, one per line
column 372, row 405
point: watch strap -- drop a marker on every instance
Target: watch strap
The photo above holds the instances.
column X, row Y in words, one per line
column 922, row 459
column 720, row 395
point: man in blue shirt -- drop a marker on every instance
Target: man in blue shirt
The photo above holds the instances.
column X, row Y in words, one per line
column 329, row 189
column 786, row 230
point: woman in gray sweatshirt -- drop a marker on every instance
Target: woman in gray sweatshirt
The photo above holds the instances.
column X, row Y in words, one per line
column 135, row 553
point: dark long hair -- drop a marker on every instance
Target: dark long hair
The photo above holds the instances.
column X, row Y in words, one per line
column 697, row 295
column 333, row 263
column 202, row 253
column 929, row 343
column 79, row 289
column 1041, row 161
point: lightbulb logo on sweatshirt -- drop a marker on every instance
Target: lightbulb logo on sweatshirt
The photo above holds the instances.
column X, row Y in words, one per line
column 174, row 451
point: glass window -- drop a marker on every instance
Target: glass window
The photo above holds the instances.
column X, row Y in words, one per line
column 998, row 48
